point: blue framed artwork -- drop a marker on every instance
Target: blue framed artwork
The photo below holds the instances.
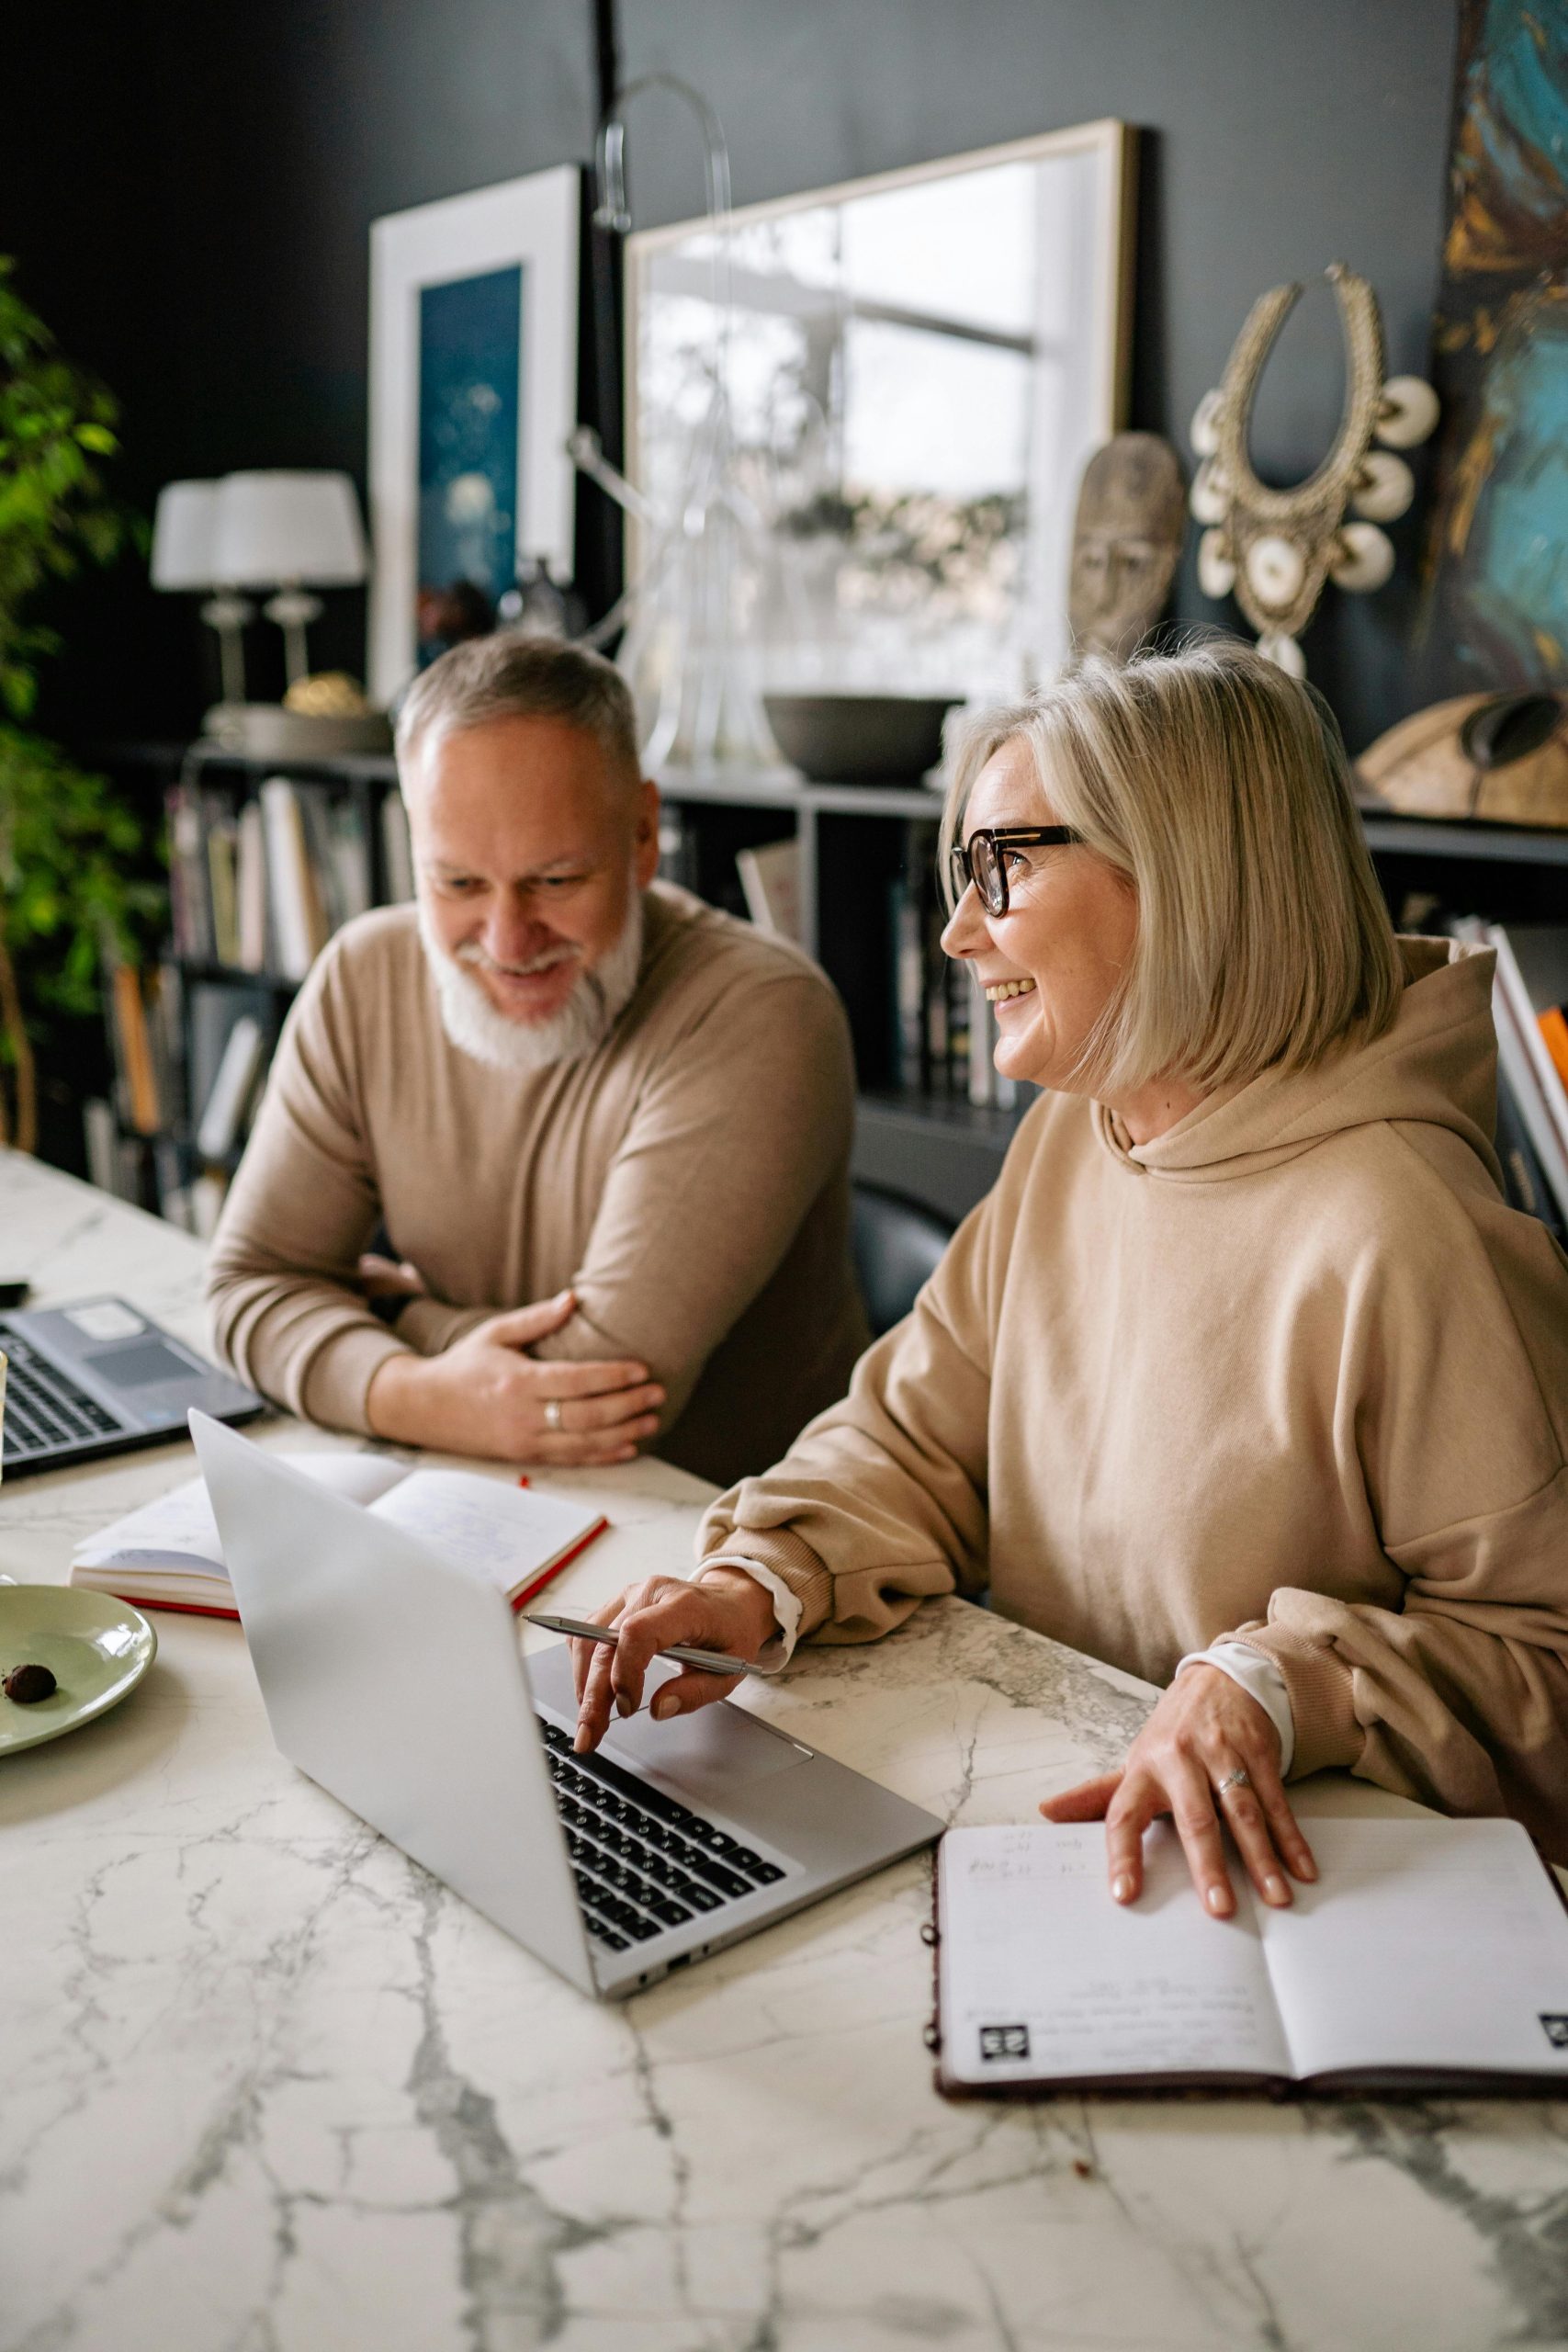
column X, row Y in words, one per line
column 470, row 408
column 473, row 396
column 1495, row 608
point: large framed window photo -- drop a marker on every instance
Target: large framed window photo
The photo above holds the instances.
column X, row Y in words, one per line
column 918, row 366
column 473, row 395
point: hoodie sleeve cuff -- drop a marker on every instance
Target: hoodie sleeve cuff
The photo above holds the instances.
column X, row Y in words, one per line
column 787, row 1605
column 792, row 1562
column 1319, row 1686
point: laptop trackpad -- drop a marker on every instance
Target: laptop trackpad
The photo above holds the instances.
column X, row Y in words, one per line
column 705, row 1757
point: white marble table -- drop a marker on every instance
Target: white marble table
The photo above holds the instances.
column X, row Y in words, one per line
column 264, row 2086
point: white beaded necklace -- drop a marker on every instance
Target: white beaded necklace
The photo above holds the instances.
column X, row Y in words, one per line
column 1276, row 548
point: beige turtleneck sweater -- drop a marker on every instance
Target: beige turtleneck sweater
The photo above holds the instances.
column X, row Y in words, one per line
column 689, row 1181
column 1292, row 1374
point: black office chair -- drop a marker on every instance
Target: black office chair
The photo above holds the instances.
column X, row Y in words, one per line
column 1525, row 1183
column 896, row 1245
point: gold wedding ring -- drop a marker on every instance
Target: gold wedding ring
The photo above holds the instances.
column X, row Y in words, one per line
column 552, row 1412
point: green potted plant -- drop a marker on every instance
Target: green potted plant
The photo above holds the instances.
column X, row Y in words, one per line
column 70, row 888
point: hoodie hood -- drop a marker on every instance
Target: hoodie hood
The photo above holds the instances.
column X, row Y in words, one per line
column 1437, row 1065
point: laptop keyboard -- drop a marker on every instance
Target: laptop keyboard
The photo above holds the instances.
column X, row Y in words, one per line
column 642, row 1861
column 43, row 1408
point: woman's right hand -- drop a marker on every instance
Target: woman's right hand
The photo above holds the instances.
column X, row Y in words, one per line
column 720, row 1609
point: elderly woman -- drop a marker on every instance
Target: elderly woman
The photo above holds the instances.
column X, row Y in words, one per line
column 1244, row 1378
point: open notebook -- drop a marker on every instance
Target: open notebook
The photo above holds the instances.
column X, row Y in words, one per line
column 168, row 1555
column 1429, row 1955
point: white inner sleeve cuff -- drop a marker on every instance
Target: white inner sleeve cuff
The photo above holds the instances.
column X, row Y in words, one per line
column 778, row 1653
column 1258, row 1676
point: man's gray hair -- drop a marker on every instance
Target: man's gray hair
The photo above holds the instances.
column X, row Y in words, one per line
column 508, row 676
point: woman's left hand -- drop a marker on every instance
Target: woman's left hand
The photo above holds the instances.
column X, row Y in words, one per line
column 1208, row 1752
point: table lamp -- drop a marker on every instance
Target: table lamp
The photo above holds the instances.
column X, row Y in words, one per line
column 183, row 561
column 293, row 532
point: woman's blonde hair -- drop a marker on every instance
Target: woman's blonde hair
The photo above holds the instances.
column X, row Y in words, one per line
column 1219, row 787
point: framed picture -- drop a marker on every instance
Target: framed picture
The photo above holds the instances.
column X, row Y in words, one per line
column 473, row 393
column 1495, row 608
column 915, row 369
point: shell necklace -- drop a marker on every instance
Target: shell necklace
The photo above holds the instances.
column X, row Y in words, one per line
column 1276, row 548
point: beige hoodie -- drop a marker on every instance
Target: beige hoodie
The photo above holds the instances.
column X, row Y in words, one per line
column 1291, row 1372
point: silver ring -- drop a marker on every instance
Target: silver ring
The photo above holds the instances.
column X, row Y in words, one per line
column 552, row 1412
column 1237, row 1779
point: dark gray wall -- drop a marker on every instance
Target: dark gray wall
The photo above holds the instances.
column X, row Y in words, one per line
column 191, row 204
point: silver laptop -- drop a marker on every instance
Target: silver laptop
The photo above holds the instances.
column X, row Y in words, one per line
column 98, row 1376
column 395, row 1679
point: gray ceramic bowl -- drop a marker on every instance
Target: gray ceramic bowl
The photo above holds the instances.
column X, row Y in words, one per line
column 860, row 739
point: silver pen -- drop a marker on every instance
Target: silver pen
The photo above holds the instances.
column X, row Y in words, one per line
column 705, row 1661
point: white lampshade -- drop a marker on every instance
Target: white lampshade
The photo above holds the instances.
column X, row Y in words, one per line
column 182, row 535
column 301, row 527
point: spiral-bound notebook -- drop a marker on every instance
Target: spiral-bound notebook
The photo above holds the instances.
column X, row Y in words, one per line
column 1428, row 1956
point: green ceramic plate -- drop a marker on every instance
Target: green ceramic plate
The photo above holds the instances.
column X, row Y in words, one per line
column 97, row 1648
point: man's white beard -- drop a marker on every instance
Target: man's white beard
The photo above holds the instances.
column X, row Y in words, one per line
column 597, row 1002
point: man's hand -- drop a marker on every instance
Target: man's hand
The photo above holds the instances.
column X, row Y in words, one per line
column 1204, row 1732
column 382, row 1277
column 721, row 1608
column 485, row 1395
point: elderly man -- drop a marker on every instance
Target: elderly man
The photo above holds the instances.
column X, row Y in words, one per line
column 608, row 1126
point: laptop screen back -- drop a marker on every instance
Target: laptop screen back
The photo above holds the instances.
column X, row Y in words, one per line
column 395, row 1681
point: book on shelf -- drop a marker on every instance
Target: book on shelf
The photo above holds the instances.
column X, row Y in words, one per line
column 1535, row 1094
column 190, row 885
column 397, row 850
column 224, row 1113
column 943, row 1034
column 251, row 925
column 1428, row 1956
column 215, row 1010
column 300, row 921
column 770, row 876
column 143, row 1044
column 133, row 1050
column 168, row 1554
column 222, row 844
column 100, row 1134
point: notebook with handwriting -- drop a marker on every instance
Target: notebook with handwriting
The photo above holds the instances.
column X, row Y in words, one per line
column 168, row 1555
column 1430, row 1955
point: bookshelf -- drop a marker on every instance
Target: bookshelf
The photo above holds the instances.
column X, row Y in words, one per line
column 857, row 846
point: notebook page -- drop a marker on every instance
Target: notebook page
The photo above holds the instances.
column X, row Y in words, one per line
column 1044, row 1976
column 501, row 1532
column 1436, row 1945
column 177, row 1529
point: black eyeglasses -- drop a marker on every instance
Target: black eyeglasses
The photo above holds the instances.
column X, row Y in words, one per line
column 982, row 860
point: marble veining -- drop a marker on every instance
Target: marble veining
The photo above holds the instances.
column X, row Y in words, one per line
column 267, row 2087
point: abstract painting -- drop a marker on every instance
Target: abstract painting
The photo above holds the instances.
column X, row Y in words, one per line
column 473, row 397
column 470, row 423
column 1495, row 604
